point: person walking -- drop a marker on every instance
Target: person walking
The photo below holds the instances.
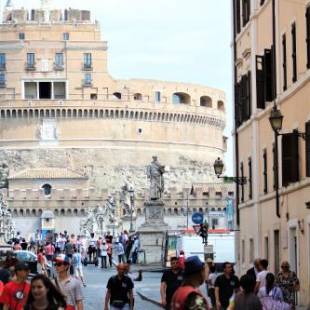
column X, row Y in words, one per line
column 225, row 286
column 103, row 254
column 289, row 284
column 49, row 250
column 119, row 293
column 68, row 285
column 78, row 266
column 246, row 299
column 188, row 296
column 44, row 295
column 170, row 282
column 109, row 253
column 120, row 252
column 15, row 292
column 253, row 272
column 211, row 284
column 261, row 276
column 42, row 262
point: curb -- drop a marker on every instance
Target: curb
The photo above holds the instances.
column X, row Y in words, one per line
column 144, row 297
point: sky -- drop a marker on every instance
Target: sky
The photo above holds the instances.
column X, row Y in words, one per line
column 174, row 40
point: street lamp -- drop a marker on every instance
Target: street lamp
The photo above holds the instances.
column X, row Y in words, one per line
column 276, row 121
column 218, row 169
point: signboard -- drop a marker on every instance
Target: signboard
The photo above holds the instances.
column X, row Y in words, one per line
column 197, row 218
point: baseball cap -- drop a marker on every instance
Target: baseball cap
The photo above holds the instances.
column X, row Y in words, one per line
column 22, row 266
column 192, row 265
column 62, row 258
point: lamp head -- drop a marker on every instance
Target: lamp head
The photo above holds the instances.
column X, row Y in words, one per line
column 218, row 167
column 276, row 119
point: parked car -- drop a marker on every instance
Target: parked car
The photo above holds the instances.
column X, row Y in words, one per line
column 31, row 259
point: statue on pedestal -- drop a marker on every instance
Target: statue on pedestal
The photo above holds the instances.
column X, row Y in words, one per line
column 127, row 199
column 155, row 173
column 7, row 228
column 4, row 174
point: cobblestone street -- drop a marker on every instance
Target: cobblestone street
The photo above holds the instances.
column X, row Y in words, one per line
column 96, row 288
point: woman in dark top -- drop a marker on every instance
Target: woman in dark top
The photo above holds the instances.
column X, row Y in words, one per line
column 246, row 299
column 44, row 295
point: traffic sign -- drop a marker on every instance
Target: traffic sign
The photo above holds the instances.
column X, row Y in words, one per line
column 197, row 218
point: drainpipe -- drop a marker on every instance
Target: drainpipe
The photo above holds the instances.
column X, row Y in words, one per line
column 274, row 69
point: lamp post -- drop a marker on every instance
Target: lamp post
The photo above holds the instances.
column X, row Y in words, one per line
column 132, row 201
column 276, row 121
column 218, row 169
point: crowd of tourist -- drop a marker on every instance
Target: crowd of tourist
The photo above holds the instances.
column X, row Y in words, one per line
column 195, row 285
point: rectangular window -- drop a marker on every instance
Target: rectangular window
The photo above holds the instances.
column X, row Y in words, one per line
column 2, row 61
column 59, row 60
column 284, row 66
column 59, row 90
column 308, row 35
column 290, row 158
column 242, row 185
column 30, row 90
column 66, row 36
column 2, row 79
column 276, row 251
column 250, row 178
column 269, row 74
column 45, row 90
column 157, row 96
column 265, row 171
column 260, row 84
column 246, row 11
column 274, row 165
column 245, row 97
column 87, row 79
column 237, row 17
column 30, row 60
column 251, row 251
column 243, row 251
column 307, row 149
column 87, row 61
column 294, row 53
column 21, row 36
column 266, row 248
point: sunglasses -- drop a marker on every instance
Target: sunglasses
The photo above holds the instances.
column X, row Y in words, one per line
column 59, row 264
column 285, row 266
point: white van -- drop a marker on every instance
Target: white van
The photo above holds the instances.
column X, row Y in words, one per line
column 191, row 245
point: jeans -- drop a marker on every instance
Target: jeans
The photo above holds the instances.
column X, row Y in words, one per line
column 125, row 307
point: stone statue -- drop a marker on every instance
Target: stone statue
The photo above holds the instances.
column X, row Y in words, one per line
column 155, row 173
column 4, row 174
column 127, row 198
column 7, row 227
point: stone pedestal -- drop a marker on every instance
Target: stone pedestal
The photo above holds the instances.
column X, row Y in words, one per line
column 153, row 232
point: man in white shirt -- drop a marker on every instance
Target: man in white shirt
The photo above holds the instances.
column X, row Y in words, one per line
column 261, row 276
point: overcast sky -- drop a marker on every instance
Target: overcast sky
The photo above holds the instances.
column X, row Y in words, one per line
column 177, row 40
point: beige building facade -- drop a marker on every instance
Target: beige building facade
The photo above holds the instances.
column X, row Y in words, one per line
column 271, row 66
column 62, row 113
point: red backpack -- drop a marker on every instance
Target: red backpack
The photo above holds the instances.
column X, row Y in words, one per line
column 180, row 296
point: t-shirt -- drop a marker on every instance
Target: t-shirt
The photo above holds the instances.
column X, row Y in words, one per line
column 77, row 260
column 15, row 295
column 247, row 302
column 226, row 288
column 173, row 282
column 72, row 289
column 261, row 278
column 119, row 288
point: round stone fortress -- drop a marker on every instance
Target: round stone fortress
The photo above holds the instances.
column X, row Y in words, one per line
column 60, row 110
column 59, row 107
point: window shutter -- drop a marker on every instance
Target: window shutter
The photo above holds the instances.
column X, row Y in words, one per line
column 249, row 96
column 290, row 158
column 243, row 13
column 237, row 17
column 268, row 75
column 260, row 89
column 238, row 110
column 308, row 149
column 294, row 53
column 308, row 35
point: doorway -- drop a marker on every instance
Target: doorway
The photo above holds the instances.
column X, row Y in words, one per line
column 45, row 90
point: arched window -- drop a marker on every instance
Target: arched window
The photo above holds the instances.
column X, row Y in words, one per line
column 220, row 105
column 181, row 98
column 117, row 96
column 137, row 96
column 206, row 101
column 47, row 188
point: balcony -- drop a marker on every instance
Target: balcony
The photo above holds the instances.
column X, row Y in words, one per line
column 30, row 66
column 3, row 67
column 87, row 83
column 58, row 67
column 87, row 67
column 2, row 83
